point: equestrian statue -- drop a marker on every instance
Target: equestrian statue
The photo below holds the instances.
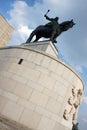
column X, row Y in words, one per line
column 50, row 30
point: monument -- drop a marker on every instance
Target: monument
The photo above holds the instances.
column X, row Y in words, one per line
column 51, row 30
column 37, row 90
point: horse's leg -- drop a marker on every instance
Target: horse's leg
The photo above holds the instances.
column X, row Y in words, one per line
column 37, row 38
column 54, row 39
column 30, row 37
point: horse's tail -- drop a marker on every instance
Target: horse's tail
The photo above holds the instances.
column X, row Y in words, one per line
column 30, row 37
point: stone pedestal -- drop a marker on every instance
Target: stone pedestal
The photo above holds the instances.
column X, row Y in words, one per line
column 37, row 89
column 47, row 47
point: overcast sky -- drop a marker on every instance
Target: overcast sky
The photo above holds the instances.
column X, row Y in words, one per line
column 26, row 15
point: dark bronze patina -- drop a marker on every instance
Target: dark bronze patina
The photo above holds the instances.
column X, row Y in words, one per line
column 51, row 30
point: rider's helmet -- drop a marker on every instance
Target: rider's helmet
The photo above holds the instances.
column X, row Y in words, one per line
column 57, row 18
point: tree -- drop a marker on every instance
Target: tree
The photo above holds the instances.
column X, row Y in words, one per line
column 75, row 126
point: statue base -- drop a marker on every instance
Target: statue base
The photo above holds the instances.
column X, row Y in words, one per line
column 36, row 87
column 45, row 46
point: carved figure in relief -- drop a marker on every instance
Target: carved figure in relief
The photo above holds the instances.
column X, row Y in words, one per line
column 68, row 113
column 73, row 96
column 73, row 103
column 74, row 91
column 74, row 117
column 79, row 97
column 70, row 100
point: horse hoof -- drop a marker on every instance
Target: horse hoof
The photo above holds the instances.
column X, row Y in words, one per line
column 55, row 41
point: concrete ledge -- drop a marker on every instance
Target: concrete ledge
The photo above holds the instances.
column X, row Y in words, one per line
column 46, row 46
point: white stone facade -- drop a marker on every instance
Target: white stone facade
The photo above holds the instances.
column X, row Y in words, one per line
column 35, row 88
column 5, row 31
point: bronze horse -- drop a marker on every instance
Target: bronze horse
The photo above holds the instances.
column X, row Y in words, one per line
column 44, row 31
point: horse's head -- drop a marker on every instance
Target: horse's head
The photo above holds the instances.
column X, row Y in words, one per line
column 71, row 23
column 66, row 25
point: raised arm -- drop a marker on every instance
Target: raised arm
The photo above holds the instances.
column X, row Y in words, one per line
column 50, row 19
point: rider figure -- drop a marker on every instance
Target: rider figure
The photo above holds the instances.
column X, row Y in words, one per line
column 55, row 26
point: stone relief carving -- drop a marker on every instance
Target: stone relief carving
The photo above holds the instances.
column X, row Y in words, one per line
column 68, row 113
column 79, row 98
column 72, row 104
column 72, row 96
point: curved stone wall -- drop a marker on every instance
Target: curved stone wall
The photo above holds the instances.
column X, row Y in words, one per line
column 38, row 90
